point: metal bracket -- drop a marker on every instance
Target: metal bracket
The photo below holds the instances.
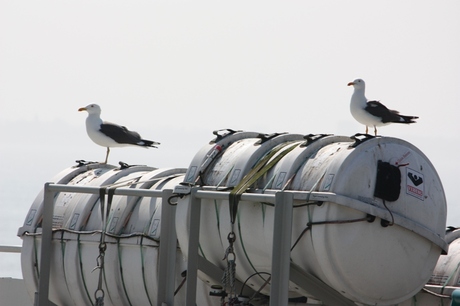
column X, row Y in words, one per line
column 358, row 140
column 225, row 133
column 311, row 138
column 266, row 137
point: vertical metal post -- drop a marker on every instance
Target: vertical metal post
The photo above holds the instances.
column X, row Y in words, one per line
column 45, row 253
column 168, row 245
column 193, row 244
column 281, row 249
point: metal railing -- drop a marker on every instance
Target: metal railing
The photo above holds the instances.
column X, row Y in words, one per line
column 10, row 249
column 282, row 271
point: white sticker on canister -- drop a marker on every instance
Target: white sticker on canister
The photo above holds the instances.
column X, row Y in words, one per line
column 328, row 182
column 280, row 180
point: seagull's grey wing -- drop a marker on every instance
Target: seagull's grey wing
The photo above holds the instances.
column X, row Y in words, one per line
column 120, row 134
column 377, row 109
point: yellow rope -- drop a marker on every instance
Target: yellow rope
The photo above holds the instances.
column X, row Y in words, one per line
column 260, row 169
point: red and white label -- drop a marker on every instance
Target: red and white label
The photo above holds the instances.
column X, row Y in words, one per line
column 415, row 184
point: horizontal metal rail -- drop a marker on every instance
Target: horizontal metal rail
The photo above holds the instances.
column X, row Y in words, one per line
column 96, row 190
column 10, row 249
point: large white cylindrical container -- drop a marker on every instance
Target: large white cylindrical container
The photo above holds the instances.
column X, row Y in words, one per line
column 132, row 235
column 376, row 242
column 30, row 232
column 447, row 270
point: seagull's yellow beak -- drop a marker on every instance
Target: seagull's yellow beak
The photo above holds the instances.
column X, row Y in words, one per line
column 351, row 83
column 82, row 109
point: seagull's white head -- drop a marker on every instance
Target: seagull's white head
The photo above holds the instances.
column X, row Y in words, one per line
column 358, row 84
column 92, row 109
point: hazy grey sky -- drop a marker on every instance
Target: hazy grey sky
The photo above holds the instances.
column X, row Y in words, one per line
column 175, row 71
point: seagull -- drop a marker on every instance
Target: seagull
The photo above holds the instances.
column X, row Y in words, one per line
column 109, row 134
column 373, row 113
